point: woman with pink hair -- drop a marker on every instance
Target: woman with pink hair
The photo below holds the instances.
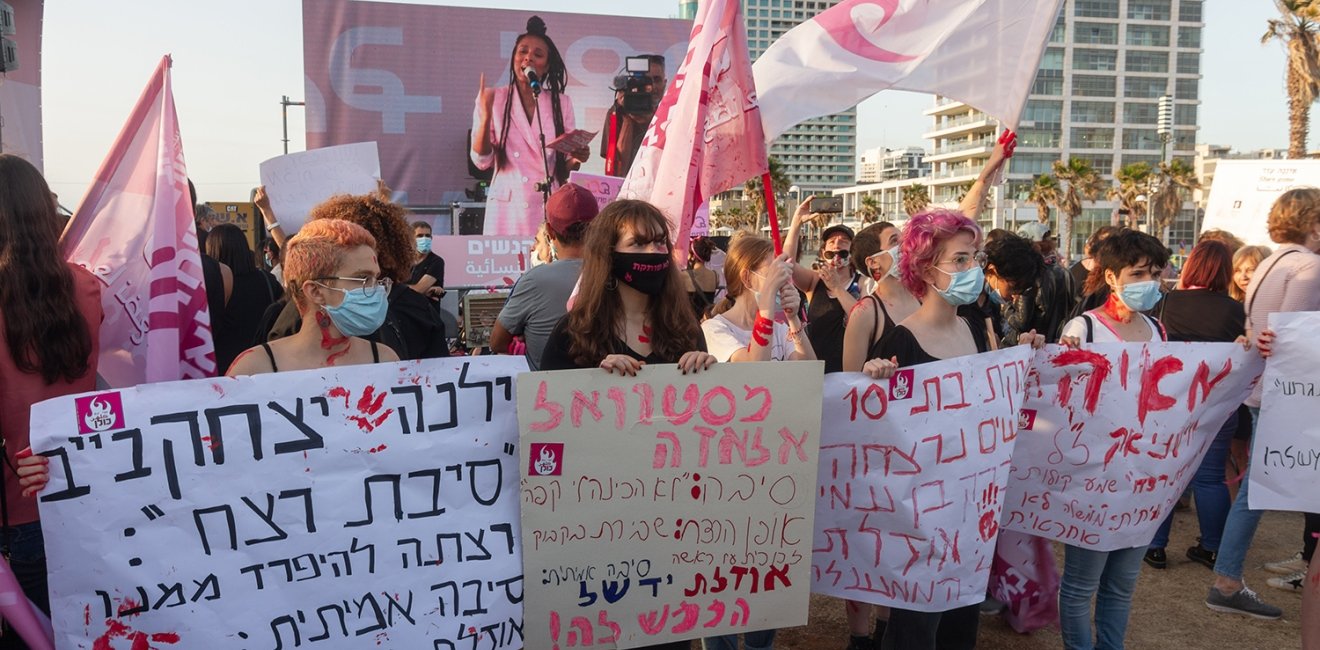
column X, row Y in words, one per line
column 940, row 263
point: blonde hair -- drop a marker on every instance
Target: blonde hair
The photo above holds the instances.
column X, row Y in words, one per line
column 746, row 252
column 317, row 250
column 1293, row 215
column 1246, row 255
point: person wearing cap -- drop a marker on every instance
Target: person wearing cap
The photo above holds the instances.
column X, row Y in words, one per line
column 831, row 287
column 540, row 298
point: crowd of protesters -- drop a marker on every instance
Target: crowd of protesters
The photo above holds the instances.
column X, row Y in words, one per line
column 358, row 283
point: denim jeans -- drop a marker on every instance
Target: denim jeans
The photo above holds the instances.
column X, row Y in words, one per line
column 1108, row 576
column 758, row 640
column 1211, row 494
column 1241, row 524
column 27, row 559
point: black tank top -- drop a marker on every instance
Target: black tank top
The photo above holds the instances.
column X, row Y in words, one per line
column 873, row 351
column 375, row 355
column 825, row 325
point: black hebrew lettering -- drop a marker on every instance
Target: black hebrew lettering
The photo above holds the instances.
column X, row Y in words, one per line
column 447, row 388
column 139, row 470
column 266, row 516
column 275, row 629
column 194, row 431
column 311, row 439
column 229, row 521
column 435, row 510
column 393, row 480
column 379, row 623
column 416, row 392
column 71, row 489
column 320, row 613
column 488, row 386
column 472, row 478
column 250, row 412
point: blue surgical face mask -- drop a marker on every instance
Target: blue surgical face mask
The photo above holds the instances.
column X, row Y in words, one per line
column 359, row 314
column 423, row 245
column 964, row 286
column 1140, row 296
column 995, row 296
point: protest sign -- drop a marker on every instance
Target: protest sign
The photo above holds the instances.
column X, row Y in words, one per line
column 297, row 182
column 1111, row 434
column 667, row 506
column 1285, row 462
column 491, row 261
column 1244, row 190
column 911, row 473
column 359, row 506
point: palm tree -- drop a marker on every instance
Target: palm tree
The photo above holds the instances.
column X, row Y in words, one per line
column 1044, row 192
column 868, row 209
column 1133, row 181
column 1297, row 27
column 916, row 197
column 1175, row 178
column 779, row 184
column 1084, row 183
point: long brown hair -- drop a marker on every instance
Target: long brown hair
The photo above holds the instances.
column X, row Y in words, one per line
column 44, row 331
column 596, row 319
column 746, row 252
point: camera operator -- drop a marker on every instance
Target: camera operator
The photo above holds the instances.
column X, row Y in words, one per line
column 637, row 93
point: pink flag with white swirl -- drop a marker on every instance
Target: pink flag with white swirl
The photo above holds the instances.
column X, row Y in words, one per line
column 981, row 52
column 134, row 231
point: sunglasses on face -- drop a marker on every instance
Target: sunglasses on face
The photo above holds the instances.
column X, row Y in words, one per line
column 830, row 255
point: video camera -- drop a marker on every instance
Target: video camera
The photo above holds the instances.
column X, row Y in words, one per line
column 639, row 92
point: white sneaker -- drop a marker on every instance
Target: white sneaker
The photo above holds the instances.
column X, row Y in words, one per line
column 1287, row 567
column 1291, row 582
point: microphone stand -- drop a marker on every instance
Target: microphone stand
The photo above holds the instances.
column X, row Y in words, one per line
column 543, row 186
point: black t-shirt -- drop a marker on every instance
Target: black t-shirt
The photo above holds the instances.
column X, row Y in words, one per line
column 432, row 265
column 901, row 343
column 236, row 325
column 558, row 356
column 825, row 325
column 1079, row 276
column 1201, row 315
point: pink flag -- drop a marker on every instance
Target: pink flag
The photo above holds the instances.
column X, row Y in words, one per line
column 706, row 135
column 134, row 231
column 981, row 52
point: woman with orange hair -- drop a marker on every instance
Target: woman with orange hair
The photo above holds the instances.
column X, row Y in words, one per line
column 332, row 274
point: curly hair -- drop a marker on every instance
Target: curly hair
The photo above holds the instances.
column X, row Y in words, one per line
column 317, row 250
column 396, row 247
column 1015, row 260
column 1123, row 249
column 924, row 237
column 596, row 318
column 1293, row 215
column 43, row 330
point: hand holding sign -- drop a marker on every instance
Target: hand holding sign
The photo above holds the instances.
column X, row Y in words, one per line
column 297, row 182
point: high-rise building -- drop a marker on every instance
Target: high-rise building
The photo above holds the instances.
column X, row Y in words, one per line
column 1096, row 97
column 881, row 164
column 819, row 154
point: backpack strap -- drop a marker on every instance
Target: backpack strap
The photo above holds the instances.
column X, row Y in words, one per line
column 1090, row 327
column 1252, row 301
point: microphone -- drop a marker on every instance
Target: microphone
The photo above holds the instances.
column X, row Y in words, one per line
column 533, row 79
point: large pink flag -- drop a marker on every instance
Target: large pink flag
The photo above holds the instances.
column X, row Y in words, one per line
column 134, row 230
column 706, row 135
column 982, row 52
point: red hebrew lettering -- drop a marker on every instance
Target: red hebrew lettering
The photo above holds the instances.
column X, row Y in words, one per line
column 691, row 612
column 940, row 458
column 662, row 451
column 648, row 402
column 554, row 412
column 1125, row 444
column 962, row 391
column 708, row 413
column 716, row 608
column 908, row 458
column 925, row 493
column 1151, row 399
column 877, row 533
column 620, row 407
column 614, row 628
column 707, row 434
column 746, row 613
column 791, row 443
column 761, row 413
column 1203, row 381
column 691, row 394
column 873, row 393
column 1100, row 368
column 924, row 408
column 653, row 622
column 1123, row 369
column 580, row 402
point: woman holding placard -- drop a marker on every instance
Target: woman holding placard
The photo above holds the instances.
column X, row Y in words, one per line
column 940, row 263
column 1129, row 264
column 507, row 125
column 334, row 280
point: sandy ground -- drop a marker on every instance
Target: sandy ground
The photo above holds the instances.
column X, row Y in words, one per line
column 1168, row 611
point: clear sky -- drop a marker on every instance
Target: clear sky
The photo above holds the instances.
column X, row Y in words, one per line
column 233, row 60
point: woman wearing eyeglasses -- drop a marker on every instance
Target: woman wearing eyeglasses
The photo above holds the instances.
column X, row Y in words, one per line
column 941, row 264
column 331, row 272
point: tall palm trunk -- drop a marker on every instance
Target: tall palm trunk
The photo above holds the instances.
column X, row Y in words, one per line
column 1299, row 114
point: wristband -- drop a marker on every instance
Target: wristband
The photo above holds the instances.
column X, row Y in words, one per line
column 272, row 225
